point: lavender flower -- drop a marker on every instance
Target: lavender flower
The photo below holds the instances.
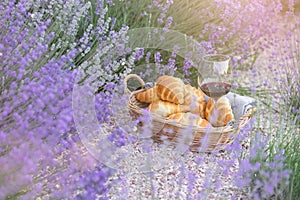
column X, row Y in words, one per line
column 93, row 184
column 157, row 57
column 139, row 54
column 118, row 137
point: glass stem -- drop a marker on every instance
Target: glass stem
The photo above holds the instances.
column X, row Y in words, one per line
column 216, row 99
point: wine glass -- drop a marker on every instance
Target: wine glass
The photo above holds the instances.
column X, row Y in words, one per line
column 212, row 75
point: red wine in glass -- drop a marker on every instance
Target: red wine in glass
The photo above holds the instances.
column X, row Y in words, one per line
column 215, row 89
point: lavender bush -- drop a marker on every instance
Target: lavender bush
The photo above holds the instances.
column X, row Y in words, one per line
column 40, row 42
column 284, row 66
column 237, row 28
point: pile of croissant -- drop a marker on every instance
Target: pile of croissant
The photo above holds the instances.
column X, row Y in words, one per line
column 172, row 99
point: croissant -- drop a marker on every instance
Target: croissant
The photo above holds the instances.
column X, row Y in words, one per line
column 148, row 96
column 165, row 108
column 219, row 113
column 170, row 89
column 189, row 118
column 188, row 95
column 196, row 97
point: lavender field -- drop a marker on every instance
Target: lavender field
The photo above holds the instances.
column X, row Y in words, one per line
column 65, row 128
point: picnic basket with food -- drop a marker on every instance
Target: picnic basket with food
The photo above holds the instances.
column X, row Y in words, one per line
column 177, row 106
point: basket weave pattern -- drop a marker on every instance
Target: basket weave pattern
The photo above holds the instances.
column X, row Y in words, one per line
column 215, row 138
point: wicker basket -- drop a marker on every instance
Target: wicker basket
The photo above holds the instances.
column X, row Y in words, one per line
column 216, row 138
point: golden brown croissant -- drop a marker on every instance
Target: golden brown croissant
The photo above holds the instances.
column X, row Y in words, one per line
column 189, row 118
column 165, row 108
column 171, row 89
column 148, row 96
column 195, row 97
column 219, row 113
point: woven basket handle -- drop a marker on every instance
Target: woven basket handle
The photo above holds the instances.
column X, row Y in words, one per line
column 126, row 90
column 245, row 118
